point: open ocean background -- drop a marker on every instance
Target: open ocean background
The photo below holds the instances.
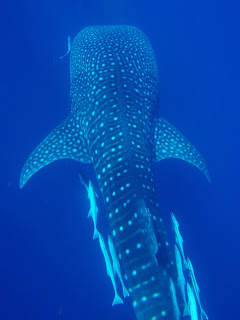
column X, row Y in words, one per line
column 50, row 268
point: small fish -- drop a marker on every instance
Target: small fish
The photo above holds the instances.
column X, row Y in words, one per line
column 93, row 211
column 176, row 311
column 192, row 303
column 110, row 273
column 69, row 48
column 116, row 266
column 196, row 289
column 178, row 238
column 181, row 280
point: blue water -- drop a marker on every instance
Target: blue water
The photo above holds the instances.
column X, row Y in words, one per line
column 50, row 268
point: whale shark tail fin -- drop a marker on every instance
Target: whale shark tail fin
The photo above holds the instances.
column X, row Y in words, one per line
column 65, row 141
column 170, row 143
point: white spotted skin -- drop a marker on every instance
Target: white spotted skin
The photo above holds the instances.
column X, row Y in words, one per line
column 114, row 89
column 113, row 125
column 66, row 141
column 170, row 143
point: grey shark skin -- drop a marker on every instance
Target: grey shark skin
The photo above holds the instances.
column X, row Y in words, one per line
column 113, row 125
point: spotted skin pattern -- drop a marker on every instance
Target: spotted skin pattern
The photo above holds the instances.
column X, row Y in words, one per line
column 113, row 125
column 65, row 141
column 170, row 143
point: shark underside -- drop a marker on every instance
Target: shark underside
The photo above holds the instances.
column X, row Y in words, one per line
column 114, row 125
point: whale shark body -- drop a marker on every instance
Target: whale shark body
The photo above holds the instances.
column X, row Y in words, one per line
column 114, row 125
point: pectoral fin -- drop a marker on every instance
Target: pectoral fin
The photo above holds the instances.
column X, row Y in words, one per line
column 65, row 141
column 169, row 142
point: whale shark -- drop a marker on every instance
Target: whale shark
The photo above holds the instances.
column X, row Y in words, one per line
column 114, row 125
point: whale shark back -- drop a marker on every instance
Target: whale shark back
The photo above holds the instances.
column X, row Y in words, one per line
column 113, row 125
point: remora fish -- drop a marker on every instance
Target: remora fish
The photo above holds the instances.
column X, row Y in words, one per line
column 176, row 311
column 181, row 280
column 114, row 125
column 178, row 238
column 117, row 299
column 116, row 266
column 93, row 211
column 192, row 303
column 196, row 289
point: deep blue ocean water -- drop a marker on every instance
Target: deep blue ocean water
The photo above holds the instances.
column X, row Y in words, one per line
column 50, row 268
